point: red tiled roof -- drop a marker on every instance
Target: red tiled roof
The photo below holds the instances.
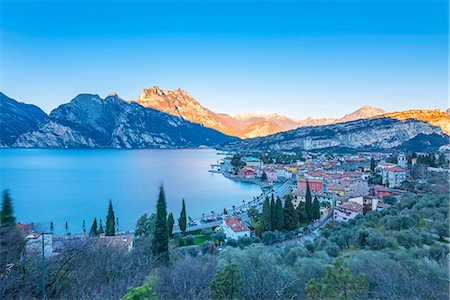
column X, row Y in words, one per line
column 236, row 225
column 350, row 205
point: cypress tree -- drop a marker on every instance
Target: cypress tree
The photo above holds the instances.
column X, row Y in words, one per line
column 302, row 216
column 182, row 223
column 7, row 213
column 279, row 214
column 272, row 213
column 316, row 208
column 290, row 219
column 100, row 228
column 161, row 233
column 308, row 203
column 110, row 221
column 373, row 164
column 170, row 222
column 266, row 216
column 94, row 230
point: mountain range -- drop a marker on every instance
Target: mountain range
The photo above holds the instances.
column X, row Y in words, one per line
column 173, row 119
column 180, row 103
column 89, row 121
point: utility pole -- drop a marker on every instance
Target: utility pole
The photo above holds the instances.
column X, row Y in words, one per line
column 43, row 266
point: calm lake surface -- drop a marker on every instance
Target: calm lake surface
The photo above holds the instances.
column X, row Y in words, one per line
column 75, row 185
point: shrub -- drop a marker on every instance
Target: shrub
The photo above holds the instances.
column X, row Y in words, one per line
column 332, row 249
column 269, row 238
column 190, row 240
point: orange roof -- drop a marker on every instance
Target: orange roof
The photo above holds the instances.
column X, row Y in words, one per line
column 236, row 225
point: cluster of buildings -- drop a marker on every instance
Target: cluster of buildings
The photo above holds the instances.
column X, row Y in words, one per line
column 341, row 184
column 255, row 168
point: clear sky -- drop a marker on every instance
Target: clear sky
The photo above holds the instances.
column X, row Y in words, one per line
column 299, row 58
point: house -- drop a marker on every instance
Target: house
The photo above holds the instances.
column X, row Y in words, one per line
column 34, row 243
column 253, row 162
column 234, row 228
column 315, row 185
column 271, row 175
column 379, row 191
column 393, row 176
column 247, row 174
column 347, row 211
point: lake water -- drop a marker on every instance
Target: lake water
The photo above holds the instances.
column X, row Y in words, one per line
column 75, row 185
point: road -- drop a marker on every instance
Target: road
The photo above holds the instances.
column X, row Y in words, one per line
column 257, row 202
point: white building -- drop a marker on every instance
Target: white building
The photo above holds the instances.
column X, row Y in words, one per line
column 234, row 228
column 402, row 161
column 253, row 162
column 393, row 176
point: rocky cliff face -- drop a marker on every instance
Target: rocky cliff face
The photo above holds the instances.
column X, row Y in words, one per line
column 180, row 103
column 89, row 121
column 17, row 118
column 435, row 117
column 377, row 133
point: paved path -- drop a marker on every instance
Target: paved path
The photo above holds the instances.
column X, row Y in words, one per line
column 280, row 191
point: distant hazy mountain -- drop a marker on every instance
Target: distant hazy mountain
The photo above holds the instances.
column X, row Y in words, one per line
column 89, row 121
column 375, row 133
column 17, row 118
column 364, row 112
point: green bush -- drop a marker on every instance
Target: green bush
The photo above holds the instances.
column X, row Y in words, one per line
column 269, row 238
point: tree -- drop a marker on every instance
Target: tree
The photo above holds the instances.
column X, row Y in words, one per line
column 302, row 216
column 290, row 220
column 272, row 213
column 227, row 283
column 161, row 232
column 101, row 230
column 264, row 176
column 279, row 215
column 373, row 164
column 316, row 208
column 253, row 213
column 337, row 283
column 94, row 229
column 170, row 222
column 269, row 238
column 308, row 203
column 7, row 213
column 110, row 221
column 266, row 216
column 182, row 223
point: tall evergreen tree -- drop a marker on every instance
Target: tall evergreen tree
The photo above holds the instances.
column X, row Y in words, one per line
column 182, row 222
column 279, row 214
column 94, row 228
column 302, row 216
column 170, row 222
column 101, row 230
column 161, row 232
column 110, row 221
column 290, row 219
column 373, row 164
column 308, row 203
column 316, row 208
column 272, row 213
column 7, row 213
column 266, row 216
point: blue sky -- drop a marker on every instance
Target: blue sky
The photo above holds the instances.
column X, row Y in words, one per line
column 299, row 58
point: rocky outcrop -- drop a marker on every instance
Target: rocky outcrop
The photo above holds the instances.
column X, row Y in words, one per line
column 89, row 121
column 365, row 112
column 17, row 118
column 435, row 117
column 376, row 133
